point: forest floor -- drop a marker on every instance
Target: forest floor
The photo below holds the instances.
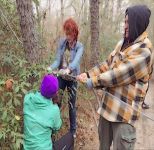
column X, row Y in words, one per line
column 87, row 136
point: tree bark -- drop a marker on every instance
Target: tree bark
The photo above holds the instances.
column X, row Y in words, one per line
column 28, row 30
column 94, row 27
column 106, row 8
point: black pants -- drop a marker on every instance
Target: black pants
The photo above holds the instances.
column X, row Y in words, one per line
column 72, row 90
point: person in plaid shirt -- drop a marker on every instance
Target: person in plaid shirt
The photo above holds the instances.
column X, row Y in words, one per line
column 124, row 77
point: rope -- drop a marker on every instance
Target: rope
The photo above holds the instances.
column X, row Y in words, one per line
column 125, row 104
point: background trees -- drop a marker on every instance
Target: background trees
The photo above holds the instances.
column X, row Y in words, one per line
column 94, row 28
column 29, row 31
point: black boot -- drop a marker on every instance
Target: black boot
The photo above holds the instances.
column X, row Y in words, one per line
column 145, row 106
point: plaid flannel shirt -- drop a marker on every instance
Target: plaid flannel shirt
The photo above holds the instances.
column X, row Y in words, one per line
column 124, row 77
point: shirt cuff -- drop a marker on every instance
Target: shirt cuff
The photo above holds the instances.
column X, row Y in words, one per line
column 89, row 83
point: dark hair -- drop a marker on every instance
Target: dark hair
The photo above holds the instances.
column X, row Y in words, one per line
column 138, row 20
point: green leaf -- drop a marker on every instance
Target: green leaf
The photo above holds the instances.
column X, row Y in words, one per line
column 10, row 102
column 36, row 2
column 1, row 135
column 19, row 95
column 17, row 89
column 24, row 91
column 2, row 82
column 27, row 84
column 19, row 142
column 4, row 115
column 17, row 102
column 20, row 64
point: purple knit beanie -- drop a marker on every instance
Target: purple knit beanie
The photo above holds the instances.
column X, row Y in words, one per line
column 49, row 86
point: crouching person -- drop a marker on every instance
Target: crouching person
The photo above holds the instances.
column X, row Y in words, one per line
column 41, row 115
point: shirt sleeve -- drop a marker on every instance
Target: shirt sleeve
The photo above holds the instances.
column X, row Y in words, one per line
column 102, row 67
column 56, row 63
column 135, row 66
column 57, row 119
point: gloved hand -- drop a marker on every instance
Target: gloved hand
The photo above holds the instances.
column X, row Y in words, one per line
column 49, row 69
column 64, row 71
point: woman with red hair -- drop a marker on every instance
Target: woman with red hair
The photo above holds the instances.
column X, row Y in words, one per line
column 68, row 59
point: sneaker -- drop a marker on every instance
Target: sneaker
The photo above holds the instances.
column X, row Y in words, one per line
column 74, row 135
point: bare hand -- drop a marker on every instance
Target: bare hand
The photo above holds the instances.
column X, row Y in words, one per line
column 55, row 99
column 82, row 77
column 64, row 71
column 49, row 69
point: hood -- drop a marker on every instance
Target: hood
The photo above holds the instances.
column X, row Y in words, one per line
column 138, row 19
column 36, row 100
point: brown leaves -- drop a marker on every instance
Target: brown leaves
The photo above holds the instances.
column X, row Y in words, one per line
column 9, row 84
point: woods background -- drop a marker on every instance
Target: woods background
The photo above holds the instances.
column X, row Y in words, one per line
column 29, row 32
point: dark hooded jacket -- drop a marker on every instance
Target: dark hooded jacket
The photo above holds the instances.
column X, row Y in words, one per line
column 138, row 20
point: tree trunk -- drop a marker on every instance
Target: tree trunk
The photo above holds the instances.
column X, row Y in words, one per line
column 28, row 31
column 94, row 44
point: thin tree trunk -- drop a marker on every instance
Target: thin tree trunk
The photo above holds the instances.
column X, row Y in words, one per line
column 111, row 17
column 62, row 11
column 49, row 3
column 28, row 31
column 94, row 12
column 118, row 10
column 106, row 8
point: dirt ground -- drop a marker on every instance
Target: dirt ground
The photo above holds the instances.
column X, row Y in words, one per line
column 87, row 136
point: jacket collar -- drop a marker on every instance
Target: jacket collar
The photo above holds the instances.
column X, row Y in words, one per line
column 143, row 36
column 119, row 45
column 74, row 44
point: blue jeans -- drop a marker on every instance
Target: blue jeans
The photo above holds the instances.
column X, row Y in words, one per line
column 72, row 90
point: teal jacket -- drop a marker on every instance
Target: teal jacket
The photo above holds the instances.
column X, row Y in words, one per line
column 41, row 118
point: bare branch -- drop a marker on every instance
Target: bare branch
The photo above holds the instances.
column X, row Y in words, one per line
column 10, row 27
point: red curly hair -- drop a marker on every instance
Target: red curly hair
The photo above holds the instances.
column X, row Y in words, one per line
column 70, row 27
